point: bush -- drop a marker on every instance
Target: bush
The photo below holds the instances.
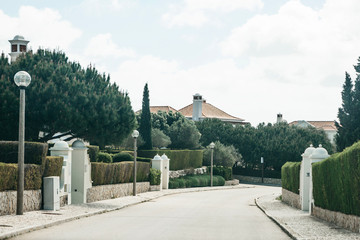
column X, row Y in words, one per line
column 155, row 176
column 179, row 159
column 53, row 166
column 9, row 176
column 93, row 152
column 225, row 172
column 290, row 176
column 195, row 181
column 256, row 173
column 184, row 135
column 336, row 181
column 159, row 139
column 122, row 157
column 104, row 157
column 223, row 155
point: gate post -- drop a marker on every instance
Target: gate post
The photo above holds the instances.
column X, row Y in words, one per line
column 157, row 163
column 305, row 178
column 165, row 171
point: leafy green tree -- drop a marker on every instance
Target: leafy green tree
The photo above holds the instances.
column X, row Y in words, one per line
column 212, row 130
column 184, row 135
column 163, row 120
column 159, row 138
column 63, row 97
column 225, row 156
column 145, row 120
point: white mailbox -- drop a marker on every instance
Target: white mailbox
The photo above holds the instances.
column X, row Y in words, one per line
column 51, row 193
column 157, row 163
column 165, row 171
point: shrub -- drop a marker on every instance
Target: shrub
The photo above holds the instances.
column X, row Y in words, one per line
column 53, row 166
column 122, row 157
column 225, row 172
column 184, row 135
column 9, row 176
column 93, row 152
column 104, row 157
column 336, row 181
column 256, row 172
column 159, row 138
column 290, row 176
column 223, row 155
column 155, row 176
column 195, row 181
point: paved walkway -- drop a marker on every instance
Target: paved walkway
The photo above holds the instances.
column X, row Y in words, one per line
column 299, row 224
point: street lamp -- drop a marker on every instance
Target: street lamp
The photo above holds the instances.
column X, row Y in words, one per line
column 212, row 145
column 135, row 135
column 22, row 79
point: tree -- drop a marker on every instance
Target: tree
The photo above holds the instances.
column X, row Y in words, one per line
column 163, row 120
column 145, row 120
column 184, row 135
column 63, row 97
column 225, row 156
column 159, row 138
column 212, row 130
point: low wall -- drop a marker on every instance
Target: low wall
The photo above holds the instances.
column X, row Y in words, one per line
column 249, row 179
column 350, row 222
column 291, row 198
column 232, row 182
column 32, row 201
column 102, row 192
column 191, row 171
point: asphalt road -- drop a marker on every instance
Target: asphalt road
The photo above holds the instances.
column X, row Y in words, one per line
column 220, row 214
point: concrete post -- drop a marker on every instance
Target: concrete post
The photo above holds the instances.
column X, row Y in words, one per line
column 157, row 163
column 305, row 178
column 165, row 171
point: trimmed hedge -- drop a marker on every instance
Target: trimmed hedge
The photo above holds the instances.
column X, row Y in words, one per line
column 290, row 176
column 336, row 181
column 154, row 176
column 179, row 159
column 35, row 153
column 104, row 157
column 122, row 157
column 9, row 175
column 93, row 152
column 225, row 172
column 195, row 181
column 122, row 172
column 53, row 166
column 256, row 173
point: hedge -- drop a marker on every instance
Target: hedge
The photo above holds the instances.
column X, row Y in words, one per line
column 35, row 153
column 53, row 166
column 179, row 159
column 93, row 152
column 336, row 181
column 290, row 176
column 195, row 181
column 155, row 176
column 122, row 157
column 122, row 172
column 225, row 172
column 256, row 173
column 9, row 175
column 104, row 157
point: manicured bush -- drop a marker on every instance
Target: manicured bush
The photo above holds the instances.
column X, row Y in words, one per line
column 256, row 173
column 104, row 157
column 225, row 172
column 290, row 176
column 179, row 159
column 122, row 172
column 195, row 181
column 93, row 152
column 122, row 157
column 9, row 176
column 155, row 176
column 35, row 153
column 53, row 166
column 336, row 181
column 222, row 155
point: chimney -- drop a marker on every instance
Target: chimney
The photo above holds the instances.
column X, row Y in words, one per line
column 18, row 46
column 279, row 118
column 197, row 107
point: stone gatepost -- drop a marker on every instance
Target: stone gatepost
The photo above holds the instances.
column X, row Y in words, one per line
column 165, row 171
column 80, row 172
column 157, row 163
column 317, row 155
column 61, row 148
column 305, row 178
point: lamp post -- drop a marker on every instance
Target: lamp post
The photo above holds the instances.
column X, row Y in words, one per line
column 22, row 79
column 262, row 169
column 135, row 135
column 212, row 145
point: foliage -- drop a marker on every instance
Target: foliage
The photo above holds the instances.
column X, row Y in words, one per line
column 223, row 155
column 145, row 121
column 163, row 120
column 122, row 157
column 348, row 127
column 179, row 159
column 256, row 172
column 155, row 176
column 122, row 172
column 93, row 152
column 159, row 138
column 184, row 135
column 128, row 142
column 290, row 176
column 104, row 157
column 63, row 97
column 53, row 166
column 213, row 130
column 9, row 176
column 336, row 181
column 225, row 172
column 195, row 181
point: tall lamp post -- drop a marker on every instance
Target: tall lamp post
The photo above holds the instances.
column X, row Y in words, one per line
column 135, row 135
column 212, row 145
column 22, row 79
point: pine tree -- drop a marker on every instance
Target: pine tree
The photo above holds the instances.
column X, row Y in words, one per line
column 145, row 121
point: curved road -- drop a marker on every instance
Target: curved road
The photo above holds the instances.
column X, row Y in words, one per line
column 220, row 214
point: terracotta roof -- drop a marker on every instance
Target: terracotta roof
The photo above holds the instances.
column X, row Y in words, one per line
column 325, row 125
column 210, row 111
column 155, row 109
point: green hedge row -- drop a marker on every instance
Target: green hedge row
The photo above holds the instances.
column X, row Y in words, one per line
column 9, row 176
column 93, row 152
column 256, row 173
column 195, row 181
column 225, row 172
column 336, row 181
column 155, row 176
column 290, row 176
column 179, row 159
column 122, row 172
column 35, row 153
column 53, row 166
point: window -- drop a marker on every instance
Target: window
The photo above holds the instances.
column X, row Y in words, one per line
column 22, row 48
column 14, row 48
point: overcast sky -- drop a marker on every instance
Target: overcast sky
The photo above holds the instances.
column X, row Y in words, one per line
column 251, row 58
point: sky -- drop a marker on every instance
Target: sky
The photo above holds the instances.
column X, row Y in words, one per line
column 251, row 58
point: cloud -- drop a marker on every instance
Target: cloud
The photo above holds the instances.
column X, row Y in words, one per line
column 101, row 7
column 196, row 13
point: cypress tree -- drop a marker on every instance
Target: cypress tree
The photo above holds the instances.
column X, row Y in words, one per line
column 145, row 121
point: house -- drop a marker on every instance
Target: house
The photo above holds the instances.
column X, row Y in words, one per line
column 328, row 127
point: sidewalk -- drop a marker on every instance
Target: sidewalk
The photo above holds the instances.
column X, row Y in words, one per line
column 299, row 224
column 13, row 225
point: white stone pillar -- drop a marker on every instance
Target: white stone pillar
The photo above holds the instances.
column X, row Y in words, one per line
column 165, row 171
column 61, row 148
column 157, row 163
column 305, row 178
